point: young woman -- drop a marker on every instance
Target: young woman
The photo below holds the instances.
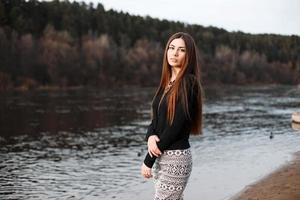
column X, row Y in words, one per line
column 176, row 113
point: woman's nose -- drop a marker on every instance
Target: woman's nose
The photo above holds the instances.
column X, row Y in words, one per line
column 175, row 52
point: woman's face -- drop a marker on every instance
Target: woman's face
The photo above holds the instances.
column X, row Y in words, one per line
column 176, row 52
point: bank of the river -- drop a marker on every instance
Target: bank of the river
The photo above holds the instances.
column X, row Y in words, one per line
column 282, row 184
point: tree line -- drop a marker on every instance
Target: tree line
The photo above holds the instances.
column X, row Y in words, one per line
column 62, row 43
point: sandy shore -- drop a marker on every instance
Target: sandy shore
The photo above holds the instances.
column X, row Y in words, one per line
column 282, row 184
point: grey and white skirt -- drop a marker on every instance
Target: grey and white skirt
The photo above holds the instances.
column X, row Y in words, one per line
column 171, row 172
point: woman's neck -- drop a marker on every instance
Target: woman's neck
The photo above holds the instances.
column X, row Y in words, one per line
column 175, row 72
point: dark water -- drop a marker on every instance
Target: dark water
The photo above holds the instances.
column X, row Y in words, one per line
column 88, row 144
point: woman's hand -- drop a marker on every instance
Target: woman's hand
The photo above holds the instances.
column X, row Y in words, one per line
column 146, row 171
column 152, row 146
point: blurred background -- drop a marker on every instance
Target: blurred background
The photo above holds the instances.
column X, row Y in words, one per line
column 77, row 79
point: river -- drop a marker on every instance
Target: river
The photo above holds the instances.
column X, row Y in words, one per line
column 89, row 143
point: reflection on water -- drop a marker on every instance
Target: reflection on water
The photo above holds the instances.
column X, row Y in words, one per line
column 72, row 111
column 88, row 144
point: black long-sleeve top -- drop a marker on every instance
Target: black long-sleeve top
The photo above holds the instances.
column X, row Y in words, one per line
column 176, row 135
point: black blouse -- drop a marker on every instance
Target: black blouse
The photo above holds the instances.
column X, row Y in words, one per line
column 175, row 136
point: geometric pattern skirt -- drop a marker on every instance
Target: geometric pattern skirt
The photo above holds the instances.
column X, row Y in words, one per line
column 171, row 172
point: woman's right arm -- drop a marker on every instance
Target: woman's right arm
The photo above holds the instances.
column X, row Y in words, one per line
column 152, row 139
column 150, row 130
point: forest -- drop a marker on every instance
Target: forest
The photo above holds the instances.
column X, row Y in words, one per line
column 69, row 44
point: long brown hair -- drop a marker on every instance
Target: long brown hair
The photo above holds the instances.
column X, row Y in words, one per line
column 189, row 68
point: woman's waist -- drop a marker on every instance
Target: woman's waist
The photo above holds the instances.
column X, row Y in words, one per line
column 179, row 144
column 177, row 152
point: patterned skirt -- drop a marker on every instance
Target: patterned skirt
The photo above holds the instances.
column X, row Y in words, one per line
column 171, row 172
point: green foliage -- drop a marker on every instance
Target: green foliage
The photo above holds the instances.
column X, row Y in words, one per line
column 69, row 43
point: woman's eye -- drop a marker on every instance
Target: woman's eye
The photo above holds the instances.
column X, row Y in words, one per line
column 182, row 50
column 171, row 48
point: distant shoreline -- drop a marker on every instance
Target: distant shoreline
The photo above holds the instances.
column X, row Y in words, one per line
column 25, row 88
column 281, row 184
